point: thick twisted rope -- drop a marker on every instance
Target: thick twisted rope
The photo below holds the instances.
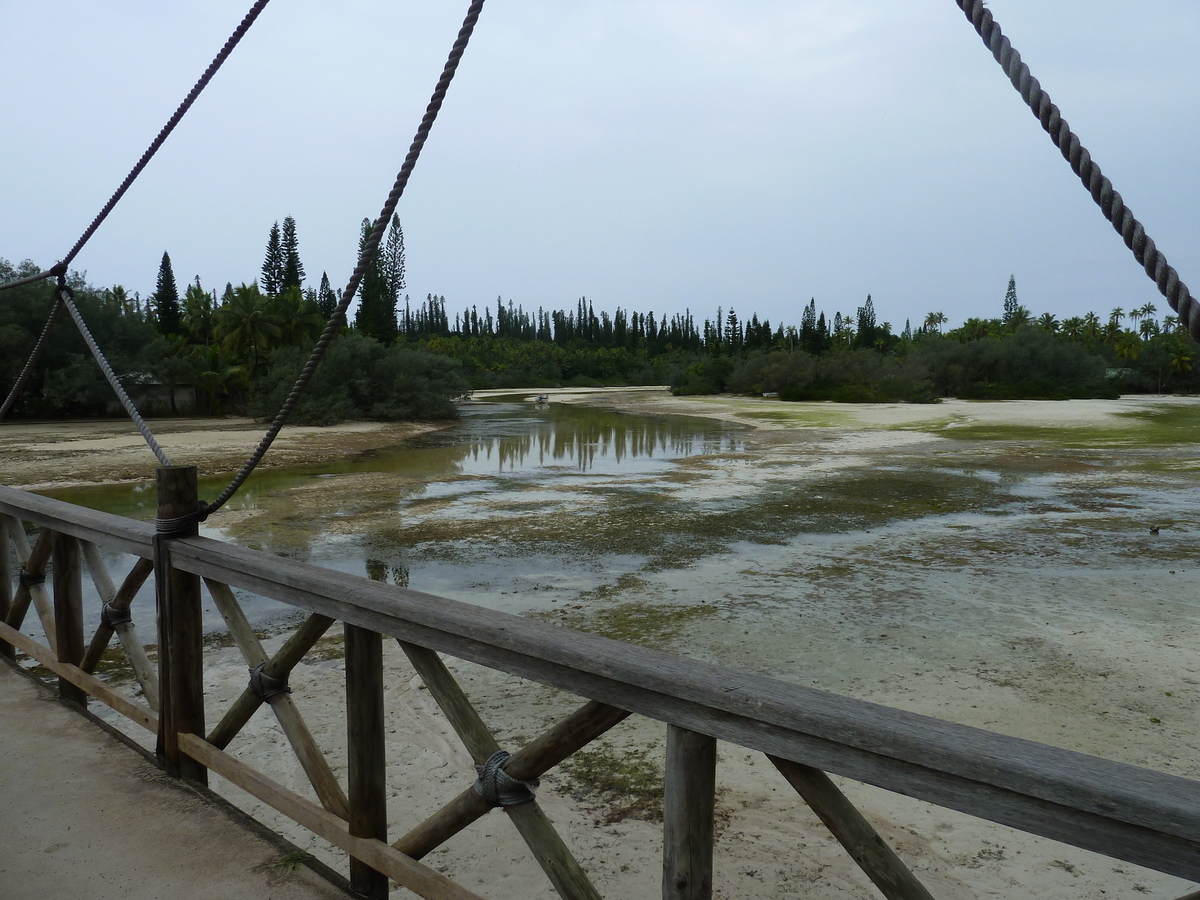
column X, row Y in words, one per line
column 497, row 787
column 28, row 279
column 1144, row 251
column 66, row 295
column 33, row 357
column 60, row 268
column 364, row 259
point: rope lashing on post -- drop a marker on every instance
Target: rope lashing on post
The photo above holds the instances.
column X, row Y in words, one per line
column 59, row 269
column 28, row 579
column 66, row 295
column 264, row 686
column 112, row 617
column 181, row 526
column 497, row 787
column 1110, row 202
column 364, row 259
column 33, row 357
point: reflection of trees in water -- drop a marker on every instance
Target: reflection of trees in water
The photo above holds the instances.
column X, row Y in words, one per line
column 381, row 571
column 582, row 440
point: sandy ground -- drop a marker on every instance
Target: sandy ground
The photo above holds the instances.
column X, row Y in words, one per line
column 769, row 844
column 42, row 455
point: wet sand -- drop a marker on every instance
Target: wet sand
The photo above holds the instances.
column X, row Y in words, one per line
column 1019, row 589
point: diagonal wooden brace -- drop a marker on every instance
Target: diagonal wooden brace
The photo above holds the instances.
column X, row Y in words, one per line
column 33, row 562
column 279, row 666
column 126, row 633
column 873, row 855
column 312, row 760
column 531, row 821
column 533, row 760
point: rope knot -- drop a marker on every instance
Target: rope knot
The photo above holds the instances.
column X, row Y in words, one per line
column 181, row 526
column 499, row 788
column 264, row 686
column 28, row 579
column 112, row 617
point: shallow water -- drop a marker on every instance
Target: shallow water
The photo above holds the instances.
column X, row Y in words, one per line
column 1006, row 578
column 910, row 567
column 501, row 458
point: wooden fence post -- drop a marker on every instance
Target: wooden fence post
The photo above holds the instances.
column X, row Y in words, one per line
column 68, row 610
column 368, row 762
column 6, row 590
column 180, row 628
column 688, row 808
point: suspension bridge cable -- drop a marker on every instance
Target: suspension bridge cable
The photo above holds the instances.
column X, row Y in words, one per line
column 33, row 357
column 66, row 296
column 1165, row 278
column 60, row 268
column 364, row 259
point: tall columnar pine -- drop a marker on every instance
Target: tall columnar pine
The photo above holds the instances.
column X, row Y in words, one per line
column 166, row 298
column 393, row 261
column 272, row 267
column 292, row 272
column 376, row 315
column 865, row 332
column 327, row 298
column 1010, row 299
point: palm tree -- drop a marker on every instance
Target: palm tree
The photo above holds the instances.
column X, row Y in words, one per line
column 934, row 321
column 1018, row 318
column 1128, row 347
column 973, row 329
column 119, row 297
column 1048, row 322
column 299, row 319
column 198, row 313
column 215, row 375
column 1116, row 315
column 1072, row 328
column 1181, row 361
column 244, row 325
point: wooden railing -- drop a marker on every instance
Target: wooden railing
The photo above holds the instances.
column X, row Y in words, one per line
column 1141, row 816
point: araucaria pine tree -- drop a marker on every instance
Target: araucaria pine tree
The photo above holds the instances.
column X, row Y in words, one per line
column 293, row 270
column 376, row 316
column 272, row 267
column 1010, row 299
column 393, row 262
column 327, row 298
column 166, row 298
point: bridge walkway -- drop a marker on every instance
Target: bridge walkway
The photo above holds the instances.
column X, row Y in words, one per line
column 84, row 815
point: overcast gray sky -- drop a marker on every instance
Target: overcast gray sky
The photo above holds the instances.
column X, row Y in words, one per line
column 650, row 154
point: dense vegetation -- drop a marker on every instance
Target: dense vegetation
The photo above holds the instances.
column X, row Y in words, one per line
column 242, row 351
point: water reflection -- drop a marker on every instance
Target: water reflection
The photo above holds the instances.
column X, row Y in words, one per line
column 497, row 462
column 580, row 439
column 492, row 439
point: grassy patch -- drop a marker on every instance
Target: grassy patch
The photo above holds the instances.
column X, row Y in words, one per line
column 1161, row 426
column 801, row 418
column 289, row 862
column 615, row 784
column 327, row 648
column 647, row 624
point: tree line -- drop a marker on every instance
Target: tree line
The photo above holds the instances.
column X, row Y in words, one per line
column 238, row 350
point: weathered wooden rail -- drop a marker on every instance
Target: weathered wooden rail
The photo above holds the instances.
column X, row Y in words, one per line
column 1140, row 816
